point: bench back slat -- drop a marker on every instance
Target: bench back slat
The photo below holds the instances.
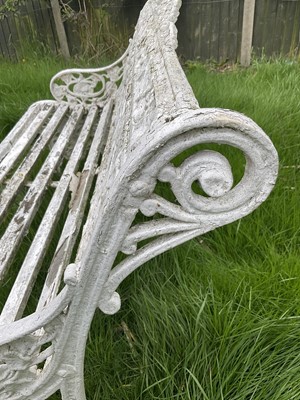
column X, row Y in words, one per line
column 19, row 224
column 160, row 86
column 154, row 89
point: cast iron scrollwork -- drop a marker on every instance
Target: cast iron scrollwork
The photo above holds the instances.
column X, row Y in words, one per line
column 22, row 361
column 193, row 214
column 88, row 87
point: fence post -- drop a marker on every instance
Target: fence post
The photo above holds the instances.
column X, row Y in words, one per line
column 247, row 32
column 60, row 29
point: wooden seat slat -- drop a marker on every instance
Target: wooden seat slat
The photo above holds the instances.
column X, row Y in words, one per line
column 18, row 226
column 18, row 130
column 24, row 142
column 18, row 297
column 15, row 182
column 74, row 219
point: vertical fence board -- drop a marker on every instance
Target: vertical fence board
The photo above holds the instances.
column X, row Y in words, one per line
column 184, row 40
column 9, row 49
column 233, row 30
column 279, row 28
column 30, row 20
column 295, row 42
column 240, row 28
column 13, row 31
column 215, row 30
column 195, row 41
column 224, row 25
column 46, row 32
column 289, row 26
column 52, row 33
column 258, row 29
column 207, row 24
column 4, row 37
column 270, row 27
column 3, row 42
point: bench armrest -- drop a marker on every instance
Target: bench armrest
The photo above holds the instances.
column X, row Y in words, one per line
column 223, row 200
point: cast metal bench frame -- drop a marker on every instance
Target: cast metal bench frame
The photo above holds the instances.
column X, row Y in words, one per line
column 137, row 127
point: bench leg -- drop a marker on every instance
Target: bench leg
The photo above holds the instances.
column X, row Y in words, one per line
column 73, row 388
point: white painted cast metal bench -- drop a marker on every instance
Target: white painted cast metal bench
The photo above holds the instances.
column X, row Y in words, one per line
column 137, row 128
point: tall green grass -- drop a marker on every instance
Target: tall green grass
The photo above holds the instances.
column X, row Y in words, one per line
column 217, row 318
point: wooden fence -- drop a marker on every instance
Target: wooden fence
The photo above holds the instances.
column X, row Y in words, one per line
column 33, row 26
column 277, row 27
column 208, row 29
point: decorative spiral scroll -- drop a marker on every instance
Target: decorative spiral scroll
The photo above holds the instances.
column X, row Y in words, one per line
column 197, row 214
column 224, row 203
column 88, row 86
column 209, row 168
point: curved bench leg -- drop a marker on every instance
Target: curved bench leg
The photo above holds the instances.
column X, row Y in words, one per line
column 73, row 388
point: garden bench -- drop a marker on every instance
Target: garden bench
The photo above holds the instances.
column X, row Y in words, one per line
column 76, row 171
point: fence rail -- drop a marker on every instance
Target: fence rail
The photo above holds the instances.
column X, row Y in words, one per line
column 208, row 29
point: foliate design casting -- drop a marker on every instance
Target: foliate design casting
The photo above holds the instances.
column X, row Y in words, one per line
column 22, row 360
column 29, row 346
column 88, row 86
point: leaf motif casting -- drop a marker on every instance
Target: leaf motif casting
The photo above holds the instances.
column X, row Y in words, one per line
column 20, row 359
column 88, row 86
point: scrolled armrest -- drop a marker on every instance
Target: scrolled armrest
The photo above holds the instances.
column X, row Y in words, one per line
column 192, row 214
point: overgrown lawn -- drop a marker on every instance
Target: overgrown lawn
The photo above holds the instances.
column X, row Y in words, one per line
column 219, row 317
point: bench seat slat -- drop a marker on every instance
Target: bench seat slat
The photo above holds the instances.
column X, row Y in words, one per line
column 24, row 142
column 18, row 130
column 73, row 222
column 28, row 207
column 13, row 185
column 18, row 297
